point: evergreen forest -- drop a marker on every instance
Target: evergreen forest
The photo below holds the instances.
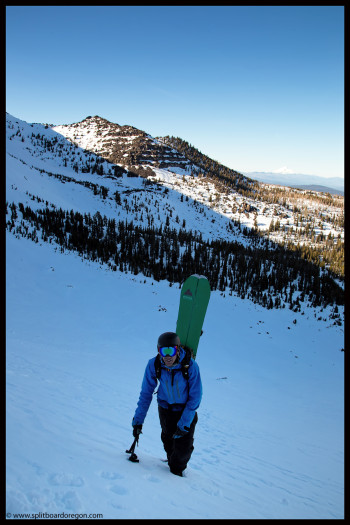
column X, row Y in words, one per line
column 266, row 273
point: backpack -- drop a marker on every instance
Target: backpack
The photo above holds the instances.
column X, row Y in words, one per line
column 185, row 363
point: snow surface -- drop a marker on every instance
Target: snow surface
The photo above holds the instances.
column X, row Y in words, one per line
column 269, row 441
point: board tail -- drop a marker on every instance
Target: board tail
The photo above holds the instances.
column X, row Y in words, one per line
column 194, row 299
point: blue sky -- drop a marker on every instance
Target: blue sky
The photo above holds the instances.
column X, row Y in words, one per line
column 256, row 88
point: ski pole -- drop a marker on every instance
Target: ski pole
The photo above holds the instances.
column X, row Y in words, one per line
column 133, row 456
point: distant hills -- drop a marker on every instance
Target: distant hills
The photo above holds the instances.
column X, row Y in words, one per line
column 333, row 185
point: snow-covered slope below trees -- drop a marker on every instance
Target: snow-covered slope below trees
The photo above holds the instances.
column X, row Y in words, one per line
column 269, row 441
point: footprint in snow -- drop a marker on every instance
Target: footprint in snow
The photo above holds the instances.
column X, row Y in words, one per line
column 66, row 480
column 119, row 489
column 111, row 475
column 152, row 478
column 70, row 501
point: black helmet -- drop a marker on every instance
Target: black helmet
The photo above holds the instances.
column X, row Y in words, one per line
column 168, row 339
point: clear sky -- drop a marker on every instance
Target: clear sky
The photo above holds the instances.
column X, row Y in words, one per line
column 255, row 88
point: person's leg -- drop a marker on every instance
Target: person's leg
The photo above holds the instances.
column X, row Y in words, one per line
column 178, row 450
column 182, row 450
column 168, row 422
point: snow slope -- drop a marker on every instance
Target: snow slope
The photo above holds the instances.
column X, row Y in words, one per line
column 31, row 170
column 269, row 441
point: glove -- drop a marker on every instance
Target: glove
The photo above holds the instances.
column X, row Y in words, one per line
column 180, row 433
column 137, row 430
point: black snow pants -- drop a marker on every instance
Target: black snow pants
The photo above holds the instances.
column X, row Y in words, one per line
column 178, row 450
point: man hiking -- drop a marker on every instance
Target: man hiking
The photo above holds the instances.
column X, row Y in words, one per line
column 179, row 395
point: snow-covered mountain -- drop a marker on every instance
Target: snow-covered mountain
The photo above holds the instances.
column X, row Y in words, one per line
column 124, row 145
column 201, row 197
column 238, row 196
column 81, row 326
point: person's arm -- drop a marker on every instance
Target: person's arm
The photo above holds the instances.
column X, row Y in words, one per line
column 149, row 384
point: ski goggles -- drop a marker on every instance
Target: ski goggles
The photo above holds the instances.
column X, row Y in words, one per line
column 168, row 351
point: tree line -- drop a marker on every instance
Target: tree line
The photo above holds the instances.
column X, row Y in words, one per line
column 273, row 278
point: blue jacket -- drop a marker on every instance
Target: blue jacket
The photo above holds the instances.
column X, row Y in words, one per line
column 174, row 391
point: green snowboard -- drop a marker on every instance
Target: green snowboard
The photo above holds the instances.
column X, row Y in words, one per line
column 194, row 299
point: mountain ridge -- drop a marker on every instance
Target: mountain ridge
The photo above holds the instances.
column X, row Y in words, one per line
column 333, row 185
column 125, row 145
